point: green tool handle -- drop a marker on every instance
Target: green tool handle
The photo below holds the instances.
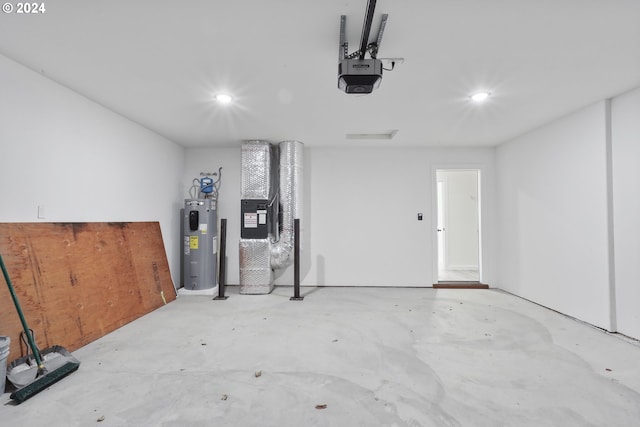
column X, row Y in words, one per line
column 32, row 343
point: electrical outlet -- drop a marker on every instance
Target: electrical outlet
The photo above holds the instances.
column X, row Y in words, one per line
column 40, row 211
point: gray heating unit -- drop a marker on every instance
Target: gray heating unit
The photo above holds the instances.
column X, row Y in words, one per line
column 271, row 199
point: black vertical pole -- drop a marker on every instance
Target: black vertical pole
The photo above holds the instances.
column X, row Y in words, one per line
column 222, row 267
column 296, row 261
column 366, row 27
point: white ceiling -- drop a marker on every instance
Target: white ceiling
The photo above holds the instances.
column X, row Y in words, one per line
column 158, row 63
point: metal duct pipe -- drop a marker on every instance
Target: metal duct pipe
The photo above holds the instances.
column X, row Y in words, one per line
column 256, row 170
column 291, row 182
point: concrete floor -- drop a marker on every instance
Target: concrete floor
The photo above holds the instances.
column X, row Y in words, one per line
column 373, row 356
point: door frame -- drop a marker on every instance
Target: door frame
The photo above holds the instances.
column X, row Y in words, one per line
column 481, row 209
column 441, row 222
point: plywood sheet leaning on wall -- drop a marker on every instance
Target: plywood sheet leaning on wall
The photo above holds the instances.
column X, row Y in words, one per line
column 79, row 281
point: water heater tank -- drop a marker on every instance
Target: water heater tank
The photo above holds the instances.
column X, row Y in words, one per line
column 200, row 244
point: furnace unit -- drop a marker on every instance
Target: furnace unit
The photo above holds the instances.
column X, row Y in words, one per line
column 271, row 199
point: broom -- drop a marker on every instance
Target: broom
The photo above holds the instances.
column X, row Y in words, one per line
column 44, row 378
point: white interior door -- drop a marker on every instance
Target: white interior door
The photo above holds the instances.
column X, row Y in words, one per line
column 441, row 226
column 459, row 224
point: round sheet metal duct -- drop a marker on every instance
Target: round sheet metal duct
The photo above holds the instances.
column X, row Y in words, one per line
column 291, row 183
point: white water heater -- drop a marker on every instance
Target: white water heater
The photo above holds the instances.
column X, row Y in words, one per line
column 200, row 244
column 200, row 232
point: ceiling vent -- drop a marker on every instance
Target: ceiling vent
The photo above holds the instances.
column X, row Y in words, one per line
column 388, row 135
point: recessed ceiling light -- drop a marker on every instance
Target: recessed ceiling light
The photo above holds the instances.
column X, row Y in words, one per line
column 480, row 96
column 224, row 98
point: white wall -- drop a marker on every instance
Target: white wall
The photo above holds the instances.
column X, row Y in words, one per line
column 361, row 204
column 626, row 203
column 552, row 204
column 80, row 161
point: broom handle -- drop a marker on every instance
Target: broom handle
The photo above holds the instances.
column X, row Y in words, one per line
column 32, row 343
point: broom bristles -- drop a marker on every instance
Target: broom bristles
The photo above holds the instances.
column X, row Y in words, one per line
column 43, row 382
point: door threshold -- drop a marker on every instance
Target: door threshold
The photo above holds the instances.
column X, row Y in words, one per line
column 454, row 284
